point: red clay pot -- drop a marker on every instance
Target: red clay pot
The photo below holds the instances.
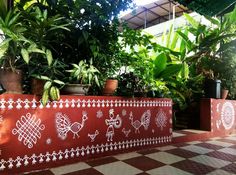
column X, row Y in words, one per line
column 37, row 86
column 110, row 87
column 11, row 81
column 224, row 93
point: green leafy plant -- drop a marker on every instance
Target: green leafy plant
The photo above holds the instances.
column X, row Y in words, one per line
column 84, row 73
column 51, row 89
column 130, row 85
column 52, row 75
column 15, row 45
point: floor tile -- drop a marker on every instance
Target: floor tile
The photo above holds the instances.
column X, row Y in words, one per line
column 165, row 148
column 164, row 157
column 144, row 163
column 230, row 168
column 70, row 168
column 89, row 171
column 44, row 172
column 148, row 151
column 231, row 151
column 209, row 146
column 219, row 172
column 220, row 143
column 231, row 138
column 117, row 168
column 127, row 156
column 167, row 170
column 215, row 138
column 142, row 173
column 194, row 142
column 182, row 153
column 175, row 134
column 193, row 167
column 197, row 149
column 222, row 155
column 227, row 140
column 180, row 144
column 210, row 161
column 101, row 161
column 196, row 131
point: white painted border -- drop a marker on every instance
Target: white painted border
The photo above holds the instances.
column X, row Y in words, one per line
column 78, row 103
column 77, row 152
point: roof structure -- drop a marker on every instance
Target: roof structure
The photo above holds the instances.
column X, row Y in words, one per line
column 154, row 13
column 209, row 7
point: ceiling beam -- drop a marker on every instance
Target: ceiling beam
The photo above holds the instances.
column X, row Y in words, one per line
column 150, row 11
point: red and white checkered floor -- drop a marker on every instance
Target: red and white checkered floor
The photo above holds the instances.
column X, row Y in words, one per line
column 214, row 156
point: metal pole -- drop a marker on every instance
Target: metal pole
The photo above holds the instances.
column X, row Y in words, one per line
column 145, row 19
column 169, row 9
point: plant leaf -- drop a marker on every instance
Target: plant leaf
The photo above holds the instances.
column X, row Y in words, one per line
column 160, row 64
column 4, row 46
column 191, row 20
column 171, row 70
column 49, row 56
column 59, row 82
column 25, row 55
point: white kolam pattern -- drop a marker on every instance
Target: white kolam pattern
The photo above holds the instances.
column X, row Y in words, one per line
column 28, row 128
column 79, row 103
column 71, row 153
column 227, row 115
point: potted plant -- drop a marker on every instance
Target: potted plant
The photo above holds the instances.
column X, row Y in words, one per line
column 110, row 86
column 10, row 48
column 15, row 50
column 47, row 31
column 38, row 71
column 51, row 89
column 81, row 77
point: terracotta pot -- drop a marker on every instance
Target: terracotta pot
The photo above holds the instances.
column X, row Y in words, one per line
column 37, row 86
column 110, row 87
column 11, row 81
column 75, row 89
column 224, row 93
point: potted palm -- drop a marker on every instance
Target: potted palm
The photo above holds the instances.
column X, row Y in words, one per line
column 15, row 50
column 47, row 30
column 11, row 39
column 81, row 77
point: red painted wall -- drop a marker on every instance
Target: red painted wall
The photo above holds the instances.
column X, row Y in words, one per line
column 218, row 116
column 77, row 128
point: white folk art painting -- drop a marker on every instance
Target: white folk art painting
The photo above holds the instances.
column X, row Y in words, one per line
column 99, row 114
column 227, row 115
column 126, row 132
column 72, row 153
column 144, row 121
column 93, row 136
column 113, row 122
column 49, row 141
column 64, row 125
column 28, row 129
column 67, row 103
column 161, row 119
column 124, row 112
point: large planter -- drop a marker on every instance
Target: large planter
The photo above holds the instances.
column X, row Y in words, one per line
column 110, row 87
column 77, row 128
column 212, row 88
column 37, row 86
column 224, row 93
column 11, row 81
column 75, row 89
column 218, row 116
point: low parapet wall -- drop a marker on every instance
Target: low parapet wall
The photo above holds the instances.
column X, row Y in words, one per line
column 76, row 128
